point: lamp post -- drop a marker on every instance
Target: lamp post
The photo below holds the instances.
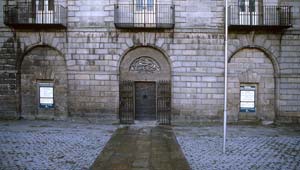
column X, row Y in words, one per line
column 225, row 77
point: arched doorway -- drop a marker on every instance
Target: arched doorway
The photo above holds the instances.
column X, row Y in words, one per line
column 145, row 86
column 43, row 84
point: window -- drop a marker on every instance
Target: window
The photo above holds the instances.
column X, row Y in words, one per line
column 44, row 4
column 44, row 11
column 145, row 13
column 247, row 98
column 46, row 93
column 150, row 5
column 144, row 4
column 248, row 12
column 252, row 5
column 243, row 4
column 139, row 5
column 41, row 5
column 51, row 4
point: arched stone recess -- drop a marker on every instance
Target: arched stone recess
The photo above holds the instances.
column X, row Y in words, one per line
column 252, row 67
column 40, row 67
column 145, row 86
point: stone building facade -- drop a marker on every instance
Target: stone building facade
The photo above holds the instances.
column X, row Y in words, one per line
column 74, row 64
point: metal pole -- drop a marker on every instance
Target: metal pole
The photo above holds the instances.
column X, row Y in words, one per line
column 225, row 77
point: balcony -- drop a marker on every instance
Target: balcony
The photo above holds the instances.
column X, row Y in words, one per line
column 154, row 16
column 273, row 18
column 26, row 16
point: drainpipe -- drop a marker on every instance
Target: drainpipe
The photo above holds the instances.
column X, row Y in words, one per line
column 225, row 77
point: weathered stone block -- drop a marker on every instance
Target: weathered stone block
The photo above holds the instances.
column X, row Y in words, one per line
column 101, row 77
column 82, row 77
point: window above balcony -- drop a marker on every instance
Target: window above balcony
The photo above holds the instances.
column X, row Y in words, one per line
column 251, row 15
column 145, row 14
column 41, row 14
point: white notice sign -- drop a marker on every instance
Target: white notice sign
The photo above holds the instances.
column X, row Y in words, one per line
column 46, row 101
column 46, row 92
column 247, row 96
column 247, row 105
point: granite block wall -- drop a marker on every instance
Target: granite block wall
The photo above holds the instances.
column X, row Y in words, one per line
column 91, row 49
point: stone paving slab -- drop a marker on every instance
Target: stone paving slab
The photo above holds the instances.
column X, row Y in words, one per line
column 41, row 145
column 248, row 147
column 142, row 148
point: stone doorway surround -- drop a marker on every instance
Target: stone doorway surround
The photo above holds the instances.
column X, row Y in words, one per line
column 144, row 65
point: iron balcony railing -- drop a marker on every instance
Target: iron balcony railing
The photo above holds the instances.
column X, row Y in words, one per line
column 144, row 16
column 26, row 15
column 263, row 16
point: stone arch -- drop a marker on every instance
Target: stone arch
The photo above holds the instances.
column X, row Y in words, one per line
column 145, row 85
column 262, row 49
column 41, row 39
column 40, row 64
column 254, row 66
column 32, row 47
column 155, row 53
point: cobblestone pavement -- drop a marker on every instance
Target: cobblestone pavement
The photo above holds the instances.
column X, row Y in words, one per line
column 64, row 145
column 51, row 145
column 248, row 147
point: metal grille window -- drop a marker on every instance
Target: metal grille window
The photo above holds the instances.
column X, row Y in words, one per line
column 45, row 12
column 139, row 5
column 44, row 4
column 247, row 4
column 144, row 4
column 40, row 4
column 247, row 98
column 46, row 95
column 150, row 4
column 242, row 5
column 35, row 13
column 144, row 14
column 51, row 5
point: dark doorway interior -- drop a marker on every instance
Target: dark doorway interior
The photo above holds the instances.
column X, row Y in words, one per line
column 145, row 100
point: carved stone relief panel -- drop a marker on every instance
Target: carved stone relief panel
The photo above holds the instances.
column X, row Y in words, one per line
column 144, row 65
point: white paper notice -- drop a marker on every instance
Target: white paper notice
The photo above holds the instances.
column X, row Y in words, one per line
column 247, row 96
column 46, row 92
column 247, row 105
column 46, row 101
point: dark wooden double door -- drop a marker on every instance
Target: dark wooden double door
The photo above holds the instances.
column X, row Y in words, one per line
column 145, row 101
